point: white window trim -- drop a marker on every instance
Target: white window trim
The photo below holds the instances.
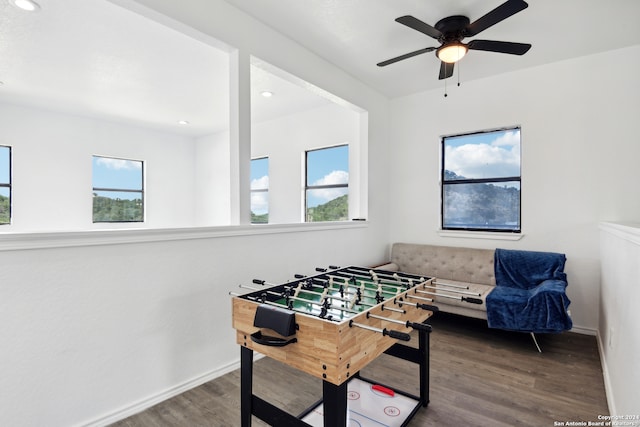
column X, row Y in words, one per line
column 480, row 235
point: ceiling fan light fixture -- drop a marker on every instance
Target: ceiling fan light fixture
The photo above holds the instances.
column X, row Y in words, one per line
column 451, row 52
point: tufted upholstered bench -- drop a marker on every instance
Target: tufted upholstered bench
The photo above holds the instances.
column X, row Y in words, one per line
column 454, row 265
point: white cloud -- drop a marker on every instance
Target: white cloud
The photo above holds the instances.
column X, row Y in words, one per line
column 118, row 163
column 501, row 158
column 511, row 139
column 260, row 199
column 333, row 177
column 260, row 183
column 260, row 202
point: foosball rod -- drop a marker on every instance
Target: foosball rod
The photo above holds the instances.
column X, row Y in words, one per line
column 454, row 291
column 372, row 281
column 396, row 277
column 408, row 324
column 346, row 282
column 287, row 297
column 351, row 302
column 330, row 318
column 310, row 282
column 385, row 332
column 470, row 300
column 398, row 281
column 329, row 283
column 300, row 289
column 400, row 302
column 348, row 275
column 316, row 303
column 452, row 285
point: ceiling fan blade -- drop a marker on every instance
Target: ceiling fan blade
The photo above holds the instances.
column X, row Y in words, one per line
column 446, row 70
column 500, row 47
column 500, row 13
column 418, row 25
column 405, row 56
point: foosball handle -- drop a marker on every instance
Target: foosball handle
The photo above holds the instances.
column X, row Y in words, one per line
column 472, row 300
column 397, row 335
column 258, row 281
column 419, row 326
column 433, row 308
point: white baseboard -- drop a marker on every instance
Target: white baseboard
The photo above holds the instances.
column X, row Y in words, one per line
column 149, row 401
column 584, row 331
column 608, row 390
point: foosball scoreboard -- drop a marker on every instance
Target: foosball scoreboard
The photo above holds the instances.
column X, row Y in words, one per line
column 331, row 325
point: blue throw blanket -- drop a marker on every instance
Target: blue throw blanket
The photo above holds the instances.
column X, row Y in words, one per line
column 530, row 293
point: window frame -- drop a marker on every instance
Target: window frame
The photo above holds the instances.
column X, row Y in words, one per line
column 108, row 189
column 261, row 190
column 308, row 187
column 8, row 184
column 495, row 180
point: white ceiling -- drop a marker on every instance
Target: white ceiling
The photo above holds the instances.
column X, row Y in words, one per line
column 97, row 59
column 357, row 34
column 94, row 58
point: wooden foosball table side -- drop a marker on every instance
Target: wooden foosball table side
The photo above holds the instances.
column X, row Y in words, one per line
column 325, row 349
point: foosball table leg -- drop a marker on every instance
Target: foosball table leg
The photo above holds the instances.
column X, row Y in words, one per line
column 423, row 348
column 334, row 399
column 246, row 386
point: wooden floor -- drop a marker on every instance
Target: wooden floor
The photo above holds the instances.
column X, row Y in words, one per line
column 479, row 377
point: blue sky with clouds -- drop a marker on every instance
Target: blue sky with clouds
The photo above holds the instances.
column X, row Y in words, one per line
column 326, row 167
column 493, row 154
column 117, row 173
column 5, row 174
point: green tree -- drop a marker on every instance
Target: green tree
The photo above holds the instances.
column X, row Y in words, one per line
column 334, row 210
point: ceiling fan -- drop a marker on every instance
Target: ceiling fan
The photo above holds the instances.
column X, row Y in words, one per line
column 451, row 30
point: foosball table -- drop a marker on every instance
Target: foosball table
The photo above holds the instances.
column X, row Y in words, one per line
column 331, row 325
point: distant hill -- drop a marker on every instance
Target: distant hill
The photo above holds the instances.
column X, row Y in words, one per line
column 480, row 205
column 259, row 219
column 4, row 210
column 106, row 209
column 334, row 210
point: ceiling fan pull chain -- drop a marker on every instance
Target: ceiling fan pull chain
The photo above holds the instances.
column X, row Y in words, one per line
column 458, row 75
column 445, row 85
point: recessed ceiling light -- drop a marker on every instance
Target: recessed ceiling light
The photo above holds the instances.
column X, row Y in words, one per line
column 28, row 5
column 266, row 94
column 183, row 122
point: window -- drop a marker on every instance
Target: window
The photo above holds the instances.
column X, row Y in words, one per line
column 260, row 190
column 481, row 181
column 5, row 185
column 327, row 184
column 117, row 190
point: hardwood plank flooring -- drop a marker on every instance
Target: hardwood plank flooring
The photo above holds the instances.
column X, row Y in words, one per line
column 478, row 377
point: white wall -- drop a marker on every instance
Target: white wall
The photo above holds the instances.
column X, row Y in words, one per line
column 52, row 170
column 94, row 333
column 619, row 315
column 213, row 180
column 96, row 326
column 285, row 140
column 579, row 158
